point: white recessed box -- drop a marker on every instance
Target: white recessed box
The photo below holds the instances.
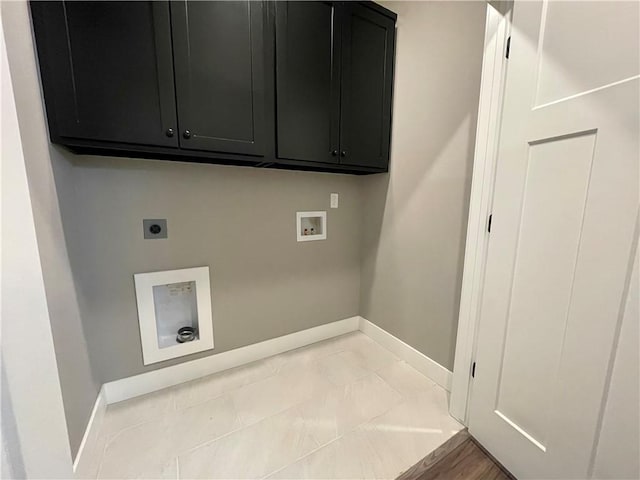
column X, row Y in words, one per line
column 311, row 226
column 168, row 301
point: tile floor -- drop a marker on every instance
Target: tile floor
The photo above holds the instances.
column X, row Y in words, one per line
column 342, row 408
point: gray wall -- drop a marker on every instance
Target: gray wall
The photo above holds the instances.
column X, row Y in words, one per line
column 415, row 218
column 239, row 221
column 79, row 386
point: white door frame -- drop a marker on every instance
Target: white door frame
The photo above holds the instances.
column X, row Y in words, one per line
column 494, row 69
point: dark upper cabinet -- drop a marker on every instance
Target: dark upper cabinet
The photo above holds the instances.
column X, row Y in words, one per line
column 334, row 79
column 219, row 60
column 307, row 81
column 107, row 71
column 302, row 85
column 368, row 42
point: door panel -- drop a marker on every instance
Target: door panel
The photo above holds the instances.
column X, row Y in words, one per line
column 567, row 58
column 107, row 70
column 220, row 75
column 557, row 181
column 566, row 199
column 367, row 78
column 308, row 81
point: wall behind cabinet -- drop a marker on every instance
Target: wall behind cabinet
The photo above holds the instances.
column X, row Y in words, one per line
column 416, row 216
column 239, row 221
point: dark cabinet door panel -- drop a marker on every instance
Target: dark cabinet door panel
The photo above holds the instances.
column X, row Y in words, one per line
column 220, row 75
column 367, row 76
column 307, row 81
column 107, row 70
column 299, row 84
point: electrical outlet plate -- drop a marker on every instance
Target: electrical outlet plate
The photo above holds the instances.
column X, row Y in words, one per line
column 154, row 227
column 334, row 200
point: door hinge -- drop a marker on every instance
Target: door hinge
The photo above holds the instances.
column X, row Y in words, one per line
column 473, row 370
column 508, row 47
column 489, row 223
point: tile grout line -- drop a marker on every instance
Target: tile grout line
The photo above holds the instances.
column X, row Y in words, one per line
column 372, row 373
column 277, row 370
column 104, row 449
column 111, row 437
column 306, row 455
column 355, row 427
column 189, row 450
column 231, row 432
column 352, row 429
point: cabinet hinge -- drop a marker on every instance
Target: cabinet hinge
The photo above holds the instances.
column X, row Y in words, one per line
column 473, row 370
column 508, row 47
column 489, row 223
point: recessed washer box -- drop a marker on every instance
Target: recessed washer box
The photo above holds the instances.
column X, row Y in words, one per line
column 169, row 301
column 311, row 226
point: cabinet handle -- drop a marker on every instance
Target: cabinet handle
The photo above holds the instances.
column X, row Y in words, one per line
column 186, row 134
column 169, row 132
column 334, row 153
column 343, row 153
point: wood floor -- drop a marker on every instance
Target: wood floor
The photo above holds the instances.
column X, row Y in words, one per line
column 461, row 457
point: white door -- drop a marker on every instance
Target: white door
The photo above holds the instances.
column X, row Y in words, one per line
column 565, row 209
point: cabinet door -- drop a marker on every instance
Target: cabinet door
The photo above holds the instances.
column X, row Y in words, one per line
column 220, row 75
column 307, row 81
column 107, row 70
column 368, row 39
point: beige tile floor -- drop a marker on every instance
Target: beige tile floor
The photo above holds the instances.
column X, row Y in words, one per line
column 343, row 408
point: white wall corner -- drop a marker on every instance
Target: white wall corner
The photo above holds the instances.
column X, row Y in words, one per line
column 33, row 411
column 413, row 357
column 84, row 456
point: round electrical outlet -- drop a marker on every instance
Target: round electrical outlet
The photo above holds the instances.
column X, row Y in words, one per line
column 154, row 228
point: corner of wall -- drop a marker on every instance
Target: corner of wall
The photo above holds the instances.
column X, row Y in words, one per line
column 414, row 218
column 79, row 387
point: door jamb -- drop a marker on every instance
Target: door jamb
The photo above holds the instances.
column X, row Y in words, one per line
column 494, row 69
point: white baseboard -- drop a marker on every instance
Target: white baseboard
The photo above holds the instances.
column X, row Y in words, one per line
column 91, row 432
column 148, row 382
column 413, row 357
